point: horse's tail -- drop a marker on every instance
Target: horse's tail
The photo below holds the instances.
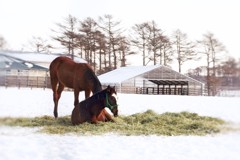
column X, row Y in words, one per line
column 55, row 64
column 53, row 68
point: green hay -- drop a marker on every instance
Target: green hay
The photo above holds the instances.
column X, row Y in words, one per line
column 147, row 123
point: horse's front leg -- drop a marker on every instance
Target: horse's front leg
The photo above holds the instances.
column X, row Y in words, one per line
column 87, row 93
column 76, row 97
column 108, row 116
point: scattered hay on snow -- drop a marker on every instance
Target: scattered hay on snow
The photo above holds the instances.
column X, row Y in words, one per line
column 147, row 123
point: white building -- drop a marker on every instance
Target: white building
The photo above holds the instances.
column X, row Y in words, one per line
column 156, row 79
column 26, row 69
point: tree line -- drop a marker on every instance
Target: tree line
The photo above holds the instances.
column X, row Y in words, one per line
column 105, row 45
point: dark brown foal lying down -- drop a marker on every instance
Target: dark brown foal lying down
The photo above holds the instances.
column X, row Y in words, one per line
column 92, row 109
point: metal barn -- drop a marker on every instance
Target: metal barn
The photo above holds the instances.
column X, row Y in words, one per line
column 156, row 79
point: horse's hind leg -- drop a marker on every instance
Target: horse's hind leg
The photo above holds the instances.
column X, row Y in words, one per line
column 57, row 94
column 54, row 83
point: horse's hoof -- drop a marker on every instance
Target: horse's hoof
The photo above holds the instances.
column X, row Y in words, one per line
column 55, row 115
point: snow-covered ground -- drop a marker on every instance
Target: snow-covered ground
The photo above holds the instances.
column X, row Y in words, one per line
column 24, row 143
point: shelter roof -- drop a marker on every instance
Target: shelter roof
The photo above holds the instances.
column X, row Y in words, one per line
column 124, row 73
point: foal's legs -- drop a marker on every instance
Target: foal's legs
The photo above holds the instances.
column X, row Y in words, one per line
column 107, row 116
column 56, row 96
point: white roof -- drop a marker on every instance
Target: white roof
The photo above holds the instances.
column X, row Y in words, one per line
column 37, row 57
column 8, row 62
column 124, row 73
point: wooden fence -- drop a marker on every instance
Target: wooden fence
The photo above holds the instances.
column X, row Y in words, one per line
column 25, row 81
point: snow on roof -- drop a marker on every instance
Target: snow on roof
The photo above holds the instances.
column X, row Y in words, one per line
column 37, row 57
column 8, row 62
column 124, row 73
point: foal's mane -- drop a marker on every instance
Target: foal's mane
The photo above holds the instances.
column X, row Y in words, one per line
column 100, row 94
column 97, row 96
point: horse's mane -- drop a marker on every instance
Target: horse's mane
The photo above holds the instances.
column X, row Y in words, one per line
column 91, row 76
column 99, row 94
column 95, row 97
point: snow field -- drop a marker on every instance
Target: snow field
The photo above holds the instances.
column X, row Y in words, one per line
column 27, row 143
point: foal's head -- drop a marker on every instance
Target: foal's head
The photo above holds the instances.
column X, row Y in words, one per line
column 111, row 103
column 111, row 90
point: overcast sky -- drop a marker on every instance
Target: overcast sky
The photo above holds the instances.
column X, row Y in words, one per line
column 20, row 20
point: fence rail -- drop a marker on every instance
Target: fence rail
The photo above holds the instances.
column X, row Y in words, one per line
column 25, row 81
column 163, row 91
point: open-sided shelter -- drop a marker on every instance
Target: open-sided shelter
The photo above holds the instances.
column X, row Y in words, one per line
column 155, row 79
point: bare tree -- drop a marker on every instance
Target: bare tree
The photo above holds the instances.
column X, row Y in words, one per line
column 112, row 32
column 160, row 45
column 183, row 48
column 165, row 52
column 154, row 41
column 39, row 45
column 67, row 34
column 228, row 70
column 155, row 46
column 88, row 31
column 140, row 39
column 229, row 67
column 211, row 48
column 124, row 50
column 101, row 46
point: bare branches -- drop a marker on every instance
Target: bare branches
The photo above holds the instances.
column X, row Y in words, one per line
column 103, row 44
column 150, row 40
column 39, row 45
column 211, row 48
column 68, row 34
column 183, row 48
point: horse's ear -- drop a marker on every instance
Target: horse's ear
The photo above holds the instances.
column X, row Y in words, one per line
column 108, row 88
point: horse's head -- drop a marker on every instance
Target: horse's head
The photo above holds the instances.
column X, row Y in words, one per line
column 111, row 90
column 111, row 103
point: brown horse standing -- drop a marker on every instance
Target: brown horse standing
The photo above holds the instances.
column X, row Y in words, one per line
column 92, row 109
column 78, row 76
